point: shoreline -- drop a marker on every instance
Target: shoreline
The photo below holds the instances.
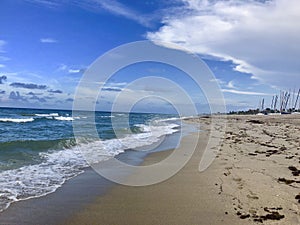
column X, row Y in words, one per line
column 75, row 194
column 189, row 197
column 253, row 180
column 58, row 206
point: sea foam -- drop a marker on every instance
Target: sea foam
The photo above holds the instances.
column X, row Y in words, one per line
column 16, row 120
column 57, row 166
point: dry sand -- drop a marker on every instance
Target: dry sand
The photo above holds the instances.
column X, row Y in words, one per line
column 254, row 179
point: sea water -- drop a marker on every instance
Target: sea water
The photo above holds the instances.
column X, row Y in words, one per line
column 38, row 150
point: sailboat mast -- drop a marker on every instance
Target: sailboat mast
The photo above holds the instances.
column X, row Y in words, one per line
column 287, row 100
column 293, row 100
column 281, row 100
column 297, row 99
column 272, row 102
column 275, row 103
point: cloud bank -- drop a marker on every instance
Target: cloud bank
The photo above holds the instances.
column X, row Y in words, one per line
column 16, row 96
column 261, row 37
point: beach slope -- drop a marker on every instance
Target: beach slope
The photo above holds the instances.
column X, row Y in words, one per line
column 254, row 179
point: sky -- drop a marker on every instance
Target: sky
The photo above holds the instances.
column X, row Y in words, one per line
column 251, row 46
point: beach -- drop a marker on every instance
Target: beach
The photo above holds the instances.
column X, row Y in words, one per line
column 155, row 112
column 254, row 179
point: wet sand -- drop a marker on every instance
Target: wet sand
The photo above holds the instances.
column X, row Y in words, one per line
column 253, row 180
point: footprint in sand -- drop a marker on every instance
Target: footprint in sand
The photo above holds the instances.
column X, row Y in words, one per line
column 254, row 197
column 240, row 182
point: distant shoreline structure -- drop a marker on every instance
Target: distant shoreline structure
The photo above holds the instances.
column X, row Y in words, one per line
column 287, row 102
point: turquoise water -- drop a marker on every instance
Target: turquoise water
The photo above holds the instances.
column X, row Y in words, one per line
column 38, row 151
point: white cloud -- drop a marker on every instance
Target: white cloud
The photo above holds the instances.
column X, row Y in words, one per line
column 62, row 67
column 2, row 65
column 74, row 71
column 231, row 84
column 244, row 92
column 70, row 69
column 261, row 38
column 219, row 81
column 48, row 40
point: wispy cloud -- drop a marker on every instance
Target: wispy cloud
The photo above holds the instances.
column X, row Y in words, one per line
column 62, row 67
column 231, row 84
column 28, row 86
column 48, row 40
column 47, row 3
column 113, row 6
column 113, row 89
column 120, row 9
column 69, row 100
column 31, row 93
column 55, row 91
column 34, row 97
column 4, row 58
column 244, row 92
column 219, row 81
column 261, row 37
column 2, row 43
column 71, row 69
column 2, row 65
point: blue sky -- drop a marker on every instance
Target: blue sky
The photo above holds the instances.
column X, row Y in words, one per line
column 252, row 47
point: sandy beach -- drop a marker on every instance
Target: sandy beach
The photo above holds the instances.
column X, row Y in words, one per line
column 253, row 180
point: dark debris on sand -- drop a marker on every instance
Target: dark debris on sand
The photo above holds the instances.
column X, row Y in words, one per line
column 287, row 181
column 272, row 214
column 295, row 171
column 268, row 153
column 255, row 121
column 298, row 197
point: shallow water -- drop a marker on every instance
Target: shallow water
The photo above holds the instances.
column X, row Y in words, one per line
column 38, row 151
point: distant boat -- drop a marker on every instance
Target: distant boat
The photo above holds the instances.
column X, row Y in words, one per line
column 274, row 114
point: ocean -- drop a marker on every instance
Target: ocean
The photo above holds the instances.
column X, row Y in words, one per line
column 38, row 151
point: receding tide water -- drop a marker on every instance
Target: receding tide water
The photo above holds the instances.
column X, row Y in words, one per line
column 38, row 151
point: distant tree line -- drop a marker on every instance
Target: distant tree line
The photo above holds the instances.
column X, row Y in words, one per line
column 255, row 111
column 248, row 112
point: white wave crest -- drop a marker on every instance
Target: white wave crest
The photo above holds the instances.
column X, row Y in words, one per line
column 64, row 118
column 16, row 120
column 47, row 115
column 58, row 166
